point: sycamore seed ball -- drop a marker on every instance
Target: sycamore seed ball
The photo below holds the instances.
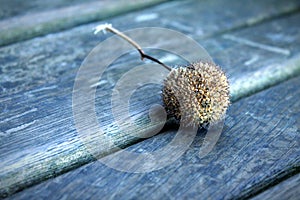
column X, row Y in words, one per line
column 197, row 94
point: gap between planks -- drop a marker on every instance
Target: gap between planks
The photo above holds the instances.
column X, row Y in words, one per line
column 264, row 19
column 22, row 28
column 262, row 81
column 15, row 30
column 246, row 158
column 287, row 189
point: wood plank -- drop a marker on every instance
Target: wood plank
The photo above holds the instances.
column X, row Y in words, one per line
column 12, row 8
column 61, row 62
column 33, row 24
column 259, row 146
column 288, row 189
column 38, row 77
column 22, row 27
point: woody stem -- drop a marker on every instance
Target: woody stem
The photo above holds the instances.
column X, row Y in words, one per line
column 137, row 46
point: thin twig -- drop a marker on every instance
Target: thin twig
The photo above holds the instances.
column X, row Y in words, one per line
column 109, row 27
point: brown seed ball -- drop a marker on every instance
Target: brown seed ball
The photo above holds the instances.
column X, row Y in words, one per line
column 201, row 89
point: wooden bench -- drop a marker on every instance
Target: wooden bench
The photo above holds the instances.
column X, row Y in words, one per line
column 42, row 155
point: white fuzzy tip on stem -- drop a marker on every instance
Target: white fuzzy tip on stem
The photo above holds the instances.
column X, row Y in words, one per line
column 102, row 27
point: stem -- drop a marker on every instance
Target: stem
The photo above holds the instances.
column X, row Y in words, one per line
column 136, row 45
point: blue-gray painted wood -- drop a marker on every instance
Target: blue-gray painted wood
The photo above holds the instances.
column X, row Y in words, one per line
column 13, row 8
column 258, row 147
column 288, row 189
column 28, row 19
column 38, row 137
column 55, row 15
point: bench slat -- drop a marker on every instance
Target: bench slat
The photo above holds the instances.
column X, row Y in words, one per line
column 258, row 146
column 288, row 189
column 38, row 21
column 38, row 137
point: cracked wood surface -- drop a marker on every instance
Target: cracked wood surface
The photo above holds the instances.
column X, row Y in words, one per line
column 29, row 20
column 37, row 77
column 288, row 189
column 257, row 147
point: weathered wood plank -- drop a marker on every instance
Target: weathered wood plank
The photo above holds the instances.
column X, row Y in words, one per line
column 60, row 18
column 38, row 119
column 258, row 145
column 23, row 27
column 288, row 189
column 12, row 8
column 25, row 59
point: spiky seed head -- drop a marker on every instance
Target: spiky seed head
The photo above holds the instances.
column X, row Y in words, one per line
column 197, row 94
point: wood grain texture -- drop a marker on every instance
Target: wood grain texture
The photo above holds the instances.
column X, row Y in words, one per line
column 288, row 189
column 12, row 8
column 257, row 146
column 45, row 20
column 25, row 59
column 38, row 136
column 57, row 16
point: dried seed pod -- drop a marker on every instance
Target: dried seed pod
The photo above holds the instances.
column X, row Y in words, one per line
column 199, row 92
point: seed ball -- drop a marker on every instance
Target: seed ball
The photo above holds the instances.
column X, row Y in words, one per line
column 198, row 93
